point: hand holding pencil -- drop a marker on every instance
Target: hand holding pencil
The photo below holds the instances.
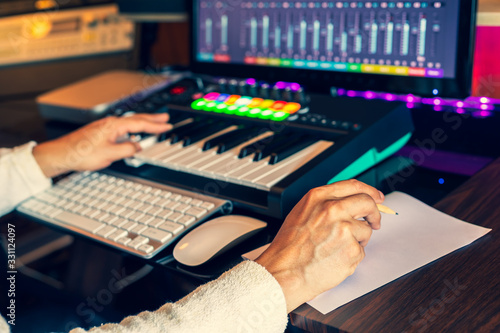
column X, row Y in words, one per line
column 385, row 209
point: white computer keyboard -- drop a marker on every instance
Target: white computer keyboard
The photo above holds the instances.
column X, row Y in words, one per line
column 129, row 213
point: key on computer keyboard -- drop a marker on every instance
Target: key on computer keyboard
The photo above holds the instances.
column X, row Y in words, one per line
column 132, row 214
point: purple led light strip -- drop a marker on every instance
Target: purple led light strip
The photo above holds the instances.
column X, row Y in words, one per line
column 480, row 103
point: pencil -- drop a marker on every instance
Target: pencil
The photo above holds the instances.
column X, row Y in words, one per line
column 385, row 209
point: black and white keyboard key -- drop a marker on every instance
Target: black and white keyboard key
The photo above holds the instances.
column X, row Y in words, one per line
column 202, row 134
column 290, row 148
column 259, row 145
column 268, row 175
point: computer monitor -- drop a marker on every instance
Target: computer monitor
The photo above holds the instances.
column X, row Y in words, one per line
column 419, row 47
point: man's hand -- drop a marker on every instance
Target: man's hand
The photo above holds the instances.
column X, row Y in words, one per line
column 322, row 241
column 95, row 145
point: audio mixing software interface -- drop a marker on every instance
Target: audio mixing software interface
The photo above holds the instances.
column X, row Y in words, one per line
column 411, row 38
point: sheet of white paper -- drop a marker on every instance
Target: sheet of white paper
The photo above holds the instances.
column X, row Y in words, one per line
column 418, row 235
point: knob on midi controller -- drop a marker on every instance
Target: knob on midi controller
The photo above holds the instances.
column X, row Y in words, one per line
column 265, row 91
column 300, row 96
column 223, row 86
column 233, row 86
column 287, row 94
column 253, row 89
column 276, row 93
column 243, row 88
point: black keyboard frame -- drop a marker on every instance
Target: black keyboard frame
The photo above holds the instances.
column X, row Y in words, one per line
column 381, row 123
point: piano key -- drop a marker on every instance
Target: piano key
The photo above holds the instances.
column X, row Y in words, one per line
column 193, row 127
column 215, row 141
column 196, row 161
column 199, row 124
column 291, row 148
column 231, row 139
column 242, row 171
column 204, row 133
column 178, row 161
column 174, row 155
column 214, row 162
column 268, row 180
column 251, row 177
column 174, row 151
column 155, row 151
column 277, row 143
column 180, row 127
column 167, row 150
column 228, row 166
column 210, row 166
column 165, row 135
column 260, row 144
column 195, row 158
column 236, row 141
column 202, row 161
column 177, row 117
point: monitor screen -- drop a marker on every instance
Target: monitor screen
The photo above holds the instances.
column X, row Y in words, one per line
column 419, row 47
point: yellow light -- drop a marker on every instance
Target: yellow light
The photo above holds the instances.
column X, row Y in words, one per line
column 40, row 29
column 45, row 4
column 183, row 246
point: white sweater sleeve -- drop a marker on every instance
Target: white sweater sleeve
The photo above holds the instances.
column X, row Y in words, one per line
column 246, row 298
column 20, row 176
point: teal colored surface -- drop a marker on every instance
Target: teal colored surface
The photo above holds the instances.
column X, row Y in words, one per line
column 369, row 159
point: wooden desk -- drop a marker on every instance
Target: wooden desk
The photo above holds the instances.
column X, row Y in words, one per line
column 458, row 293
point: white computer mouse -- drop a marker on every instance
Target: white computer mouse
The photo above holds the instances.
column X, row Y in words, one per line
column 215, row 237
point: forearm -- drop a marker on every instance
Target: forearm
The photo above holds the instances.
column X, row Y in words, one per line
column 20, row 177
column 289, row 281
column 246, row 298
column 52, row 157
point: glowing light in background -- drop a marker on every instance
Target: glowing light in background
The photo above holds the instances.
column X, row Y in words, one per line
column 369, row 95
